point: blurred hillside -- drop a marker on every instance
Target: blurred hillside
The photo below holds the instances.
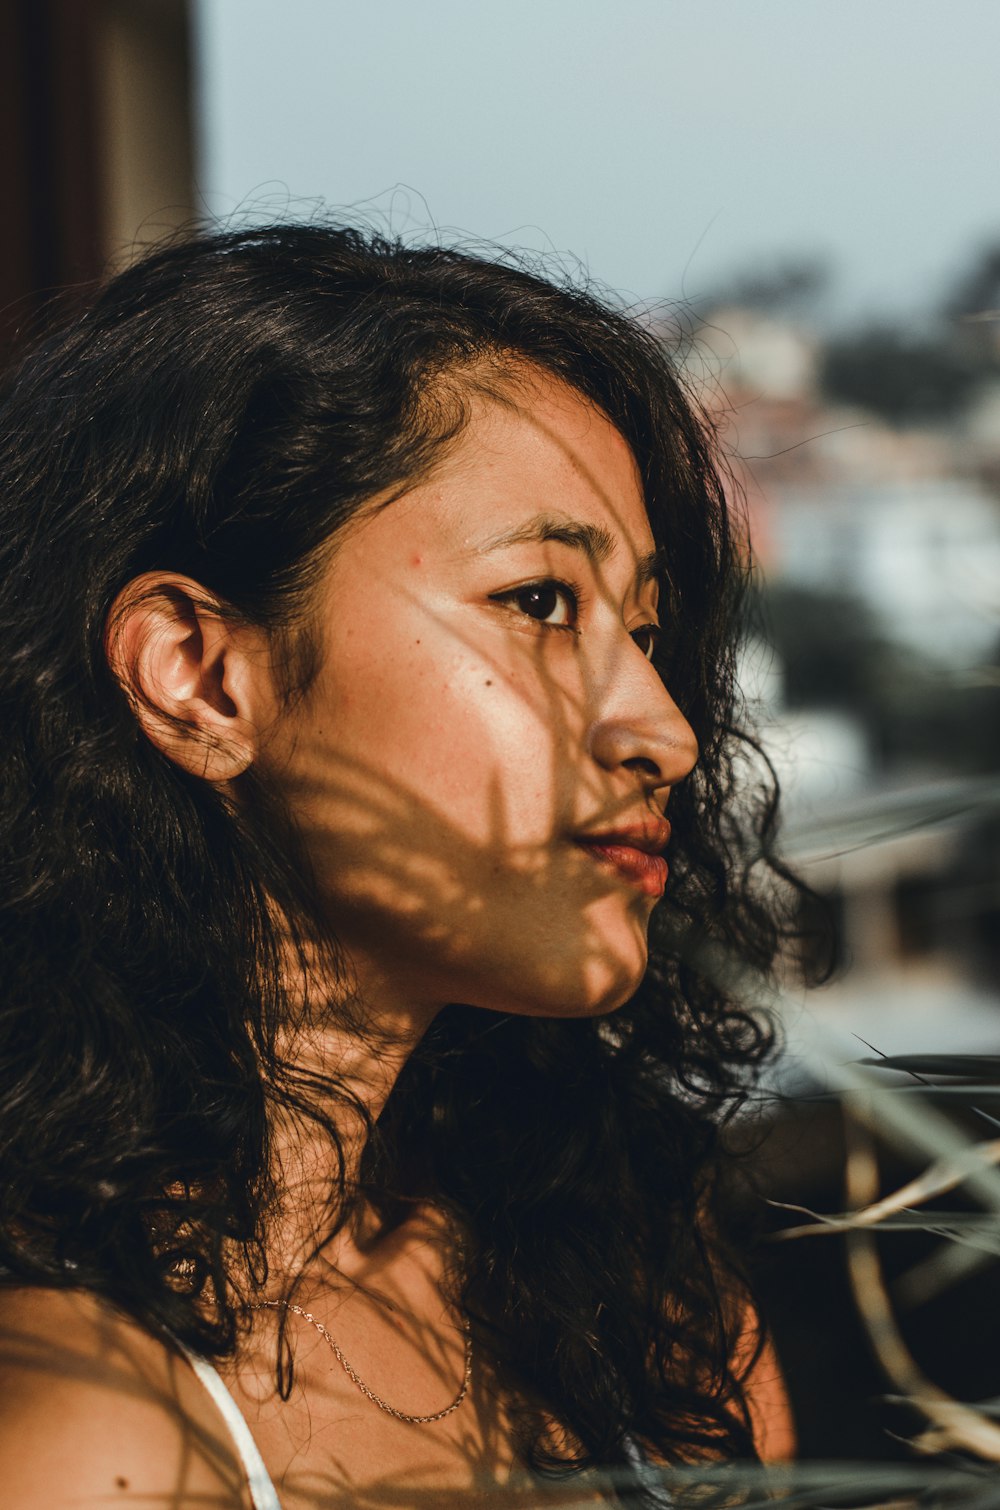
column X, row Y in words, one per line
column 869, row 463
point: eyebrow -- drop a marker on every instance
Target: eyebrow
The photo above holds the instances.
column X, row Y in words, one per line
column 596, row 542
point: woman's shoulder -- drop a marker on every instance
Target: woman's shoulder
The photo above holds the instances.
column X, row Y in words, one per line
column 96, row 1411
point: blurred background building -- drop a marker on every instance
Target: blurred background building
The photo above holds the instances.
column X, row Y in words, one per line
column 817, row 186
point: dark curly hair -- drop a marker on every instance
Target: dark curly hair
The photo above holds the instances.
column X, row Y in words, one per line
column 219, row 410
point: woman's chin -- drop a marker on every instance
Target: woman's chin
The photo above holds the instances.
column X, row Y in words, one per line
column 593, row 987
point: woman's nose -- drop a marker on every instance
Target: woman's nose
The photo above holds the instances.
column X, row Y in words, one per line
column 640, row 728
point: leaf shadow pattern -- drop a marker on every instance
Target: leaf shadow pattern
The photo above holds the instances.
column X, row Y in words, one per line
column 192, row 1462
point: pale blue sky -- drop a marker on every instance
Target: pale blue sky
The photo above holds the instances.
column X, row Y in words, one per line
column 665, row 143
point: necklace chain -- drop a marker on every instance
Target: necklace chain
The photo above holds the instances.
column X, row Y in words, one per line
column 356, row 1379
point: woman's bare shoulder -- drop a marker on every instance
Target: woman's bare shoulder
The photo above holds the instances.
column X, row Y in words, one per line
column 94, row 1411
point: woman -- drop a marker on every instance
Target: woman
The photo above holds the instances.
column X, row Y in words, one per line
column 365, row 612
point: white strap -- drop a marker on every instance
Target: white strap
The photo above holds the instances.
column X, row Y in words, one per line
column 655, row 1494
column 262, row 1491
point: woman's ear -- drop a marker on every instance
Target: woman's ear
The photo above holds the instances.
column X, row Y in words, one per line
column 201, row 686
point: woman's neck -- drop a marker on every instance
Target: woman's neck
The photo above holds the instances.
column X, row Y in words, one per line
column 347, row 1071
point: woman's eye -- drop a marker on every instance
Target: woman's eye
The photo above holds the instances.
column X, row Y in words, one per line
column 552, row 603
column 647, row 637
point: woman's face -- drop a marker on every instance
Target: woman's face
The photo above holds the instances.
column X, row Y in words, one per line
column 485, row 711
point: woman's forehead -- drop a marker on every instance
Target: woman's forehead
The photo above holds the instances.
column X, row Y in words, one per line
column 538, row 462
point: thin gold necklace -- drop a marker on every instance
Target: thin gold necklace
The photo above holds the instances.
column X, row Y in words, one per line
column 355, row 1378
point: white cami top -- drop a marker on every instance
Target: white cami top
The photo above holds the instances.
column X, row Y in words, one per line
column 262, row 1491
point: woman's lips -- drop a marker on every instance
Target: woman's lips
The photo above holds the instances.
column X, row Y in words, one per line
column 647, row 872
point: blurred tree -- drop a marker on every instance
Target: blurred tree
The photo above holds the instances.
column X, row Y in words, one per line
column 914, row 378
column 791, row 288
column 832, row 651
column 835, row 653
column 973, row 312
column 907, row 379
column 977, row 292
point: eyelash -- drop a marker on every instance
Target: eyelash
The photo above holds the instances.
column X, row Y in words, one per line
column 572, row 597
column 653, row 632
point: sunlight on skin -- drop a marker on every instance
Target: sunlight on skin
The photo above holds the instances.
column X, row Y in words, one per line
column 66, row 1356
column 441, row 767
column 484, row 705
column 453, row 748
